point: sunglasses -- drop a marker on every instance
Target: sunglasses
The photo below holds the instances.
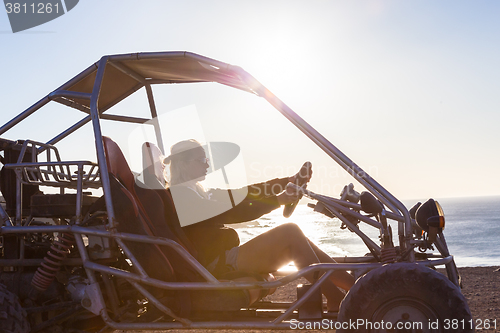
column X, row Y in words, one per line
column 201, row 160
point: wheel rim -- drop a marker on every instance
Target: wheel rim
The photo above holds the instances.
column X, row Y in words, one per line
column 405, row 315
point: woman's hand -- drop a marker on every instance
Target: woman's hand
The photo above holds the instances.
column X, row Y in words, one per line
column 286, row 198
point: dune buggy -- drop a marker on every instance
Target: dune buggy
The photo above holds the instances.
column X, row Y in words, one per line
column 74, row 261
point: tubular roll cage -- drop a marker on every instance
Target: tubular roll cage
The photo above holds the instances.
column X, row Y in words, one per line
column 89, row 100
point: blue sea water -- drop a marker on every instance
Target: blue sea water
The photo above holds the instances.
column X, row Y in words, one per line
column 472, row 230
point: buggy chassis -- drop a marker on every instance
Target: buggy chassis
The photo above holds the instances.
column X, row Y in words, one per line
column 93, row 92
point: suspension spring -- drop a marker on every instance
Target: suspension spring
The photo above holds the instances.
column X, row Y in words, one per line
column 388, row 255
column 51, row 264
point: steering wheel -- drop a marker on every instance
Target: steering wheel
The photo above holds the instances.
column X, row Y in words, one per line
column 302, row 178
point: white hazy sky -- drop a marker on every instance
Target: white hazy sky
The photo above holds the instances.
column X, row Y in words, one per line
column 407, row 89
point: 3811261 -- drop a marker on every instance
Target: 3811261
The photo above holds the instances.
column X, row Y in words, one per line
column 39, row 8
column 478, row 324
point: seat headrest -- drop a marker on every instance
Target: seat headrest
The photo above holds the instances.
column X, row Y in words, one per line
column 117, row 164
column 153, row 168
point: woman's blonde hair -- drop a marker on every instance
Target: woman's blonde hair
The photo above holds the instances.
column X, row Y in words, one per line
column 181, row 154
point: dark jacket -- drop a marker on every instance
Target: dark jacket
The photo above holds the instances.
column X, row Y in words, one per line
column 209, row 236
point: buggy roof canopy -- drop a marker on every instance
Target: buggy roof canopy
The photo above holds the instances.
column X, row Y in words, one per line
column 115, row 77
column 125, row 74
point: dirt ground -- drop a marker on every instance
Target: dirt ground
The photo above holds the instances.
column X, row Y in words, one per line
column 481, row 288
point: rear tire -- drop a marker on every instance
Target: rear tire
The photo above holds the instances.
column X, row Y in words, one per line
column 12, row 315
column 402, row 294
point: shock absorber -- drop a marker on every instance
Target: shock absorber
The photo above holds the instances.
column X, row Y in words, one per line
column 388, row 254
column 51, row 264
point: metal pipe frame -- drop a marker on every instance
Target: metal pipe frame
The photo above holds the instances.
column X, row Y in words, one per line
column 158, row 304
column 19, row 199
column 357, row 172
column 231, row 285
column 5, row 217
column 89, row 179
column 139, row 280
column 166, row 55
column 451, row 268
column 16, row 120
column 369, row 243
column 334, row 207
column 136, row 265
column 61, row 95
column 69, row 94
column 154, row 117
column 304, row 298
column 356, row 206
column 149, row 92
column 278, row 323
column 125, row 119
column 72, row 104
column 101, row 155
column 37, row 262
column 355, row 214
column 253, row 85
column 128, row 71
column 69, row 131
column 211, row 283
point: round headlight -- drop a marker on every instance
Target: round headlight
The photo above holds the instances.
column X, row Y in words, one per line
column 430, row 214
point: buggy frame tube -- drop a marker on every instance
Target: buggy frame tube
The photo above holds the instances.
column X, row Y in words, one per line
column 189, row 285
column 5, row 217
column 19, row 198
column 231, row 285
column 135, row 263
column 367, row 240
column 304, row 298
column 69, row 131
column 73, row 104
column 158, row 305
column 16, row 120
column 154, row 116
column 451, row 268
column 371, row 184
column 101, row 156
column 45, row 100
column 182, row 251
column 69, row 94
column 334, row 206
column 356, row 206
column 125, row 119
column 355, row 214
column 127, row 71
column 90, row 273
column 179, row 249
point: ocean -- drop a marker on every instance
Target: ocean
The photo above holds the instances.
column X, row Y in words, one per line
column 472, row 230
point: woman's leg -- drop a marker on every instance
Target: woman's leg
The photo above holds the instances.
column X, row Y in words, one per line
column 275, row 248
column 341, row 278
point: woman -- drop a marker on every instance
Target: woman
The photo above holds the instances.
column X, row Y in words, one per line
column 203, row 215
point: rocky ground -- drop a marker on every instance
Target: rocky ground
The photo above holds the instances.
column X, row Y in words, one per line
column 481, row 288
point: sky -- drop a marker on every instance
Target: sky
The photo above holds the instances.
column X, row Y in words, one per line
column 407, row 89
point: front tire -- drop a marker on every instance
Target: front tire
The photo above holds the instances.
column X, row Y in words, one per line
column 404, row 297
